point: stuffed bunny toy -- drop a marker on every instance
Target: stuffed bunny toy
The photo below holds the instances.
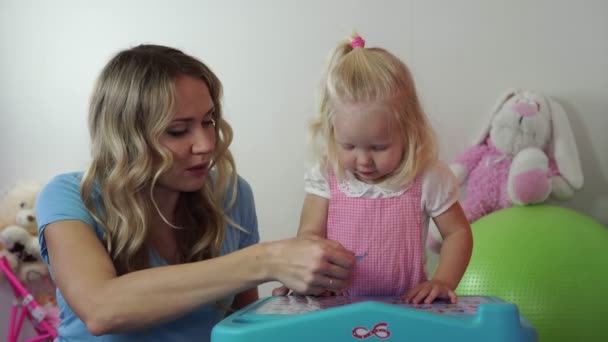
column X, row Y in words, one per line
column 525, row 153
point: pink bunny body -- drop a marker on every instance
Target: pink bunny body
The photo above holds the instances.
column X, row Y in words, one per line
column 487, row 171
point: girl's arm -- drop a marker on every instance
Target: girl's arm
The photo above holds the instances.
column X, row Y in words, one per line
column 107, row 303
column 313, row 220
column 457, row 246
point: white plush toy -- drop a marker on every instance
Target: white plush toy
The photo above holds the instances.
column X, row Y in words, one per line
column 17, row 209
column 17, row 206
column 19, row 232
column 26, row 218
column 525, row 153
column 23, row 253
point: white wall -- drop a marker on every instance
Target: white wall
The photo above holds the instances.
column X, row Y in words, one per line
column 270, row 54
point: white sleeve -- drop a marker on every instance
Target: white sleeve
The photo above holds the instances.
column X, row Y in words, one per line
column 439, row 189
column 316, row 181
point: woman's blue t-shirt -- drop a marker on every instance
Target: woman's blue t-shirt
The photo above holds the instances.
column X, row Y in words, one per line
column 60, row 200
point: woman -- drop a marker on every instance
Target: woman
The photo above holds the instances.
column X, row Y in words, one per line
column 159, row 236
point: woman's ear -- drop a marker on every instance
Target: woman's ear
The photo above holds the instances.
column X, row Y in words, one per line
column 563, row 146
column 509, row 93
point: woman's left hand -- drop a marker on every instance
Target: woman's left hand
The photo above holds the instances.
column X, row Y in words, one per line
column 430, row 290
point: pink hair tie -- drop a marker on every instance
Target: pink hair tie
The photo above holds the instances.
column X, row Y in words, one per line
column 357, row 42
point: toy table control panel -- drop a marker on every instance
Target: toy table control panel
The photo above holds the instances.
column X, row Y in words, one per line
column 343, row 318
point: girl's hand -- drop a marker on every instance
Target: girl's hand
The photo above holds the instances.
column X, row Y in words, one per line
column 429, row 291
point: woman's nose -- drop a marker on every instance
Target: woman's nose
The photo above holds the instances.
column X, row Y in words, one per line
column 204, row 142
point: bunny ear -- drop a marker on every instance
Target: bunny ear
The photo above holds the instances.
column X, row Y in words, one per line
column 564, row 147
column 501, row 100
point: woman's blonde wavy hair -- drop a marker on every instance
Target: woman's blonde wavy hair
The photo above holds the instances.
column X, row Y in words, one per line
column 131, row 107
column 373, row 75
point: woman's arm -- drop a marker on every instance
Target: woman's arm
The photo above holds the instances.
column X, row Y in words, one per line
column 108, row 303
column 456, row 248
column 313, row 222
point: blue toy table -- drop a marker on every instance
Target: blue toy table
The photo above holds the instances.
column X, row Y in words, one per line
column 295, row 318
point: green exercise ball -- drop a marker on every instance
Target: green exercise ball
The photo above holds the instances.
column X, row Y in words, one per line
column 550, row 261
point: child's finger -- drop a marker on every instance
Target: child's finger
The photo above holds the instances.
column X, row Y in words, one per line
column 432, row 295
column 448, row 294
column 453, row 296
column 410, row 294
column 422, row 293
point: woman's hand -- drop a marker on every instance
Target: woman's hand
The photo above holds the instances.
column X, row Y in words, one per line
column 310, row 265
column 284, row 291
column 429, row 291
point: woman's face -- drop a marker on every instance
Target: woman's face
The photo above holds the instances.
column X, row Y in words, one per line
column 190, row 137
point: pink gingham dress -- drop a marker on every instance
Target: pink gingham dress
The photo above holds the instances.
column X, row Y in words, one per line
column 386, row 234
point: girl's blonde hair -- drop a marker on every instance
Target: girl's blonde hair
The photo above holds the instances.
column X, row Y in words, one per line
column 131, row 107
column 373, row 75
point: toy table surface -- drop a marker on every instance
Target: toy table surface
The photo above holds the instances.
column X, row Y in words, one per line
column 343, row 318
column 295, row 305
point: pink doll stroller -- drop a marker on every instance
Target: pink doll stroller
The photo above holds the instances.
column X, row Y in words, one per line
column 25, row 306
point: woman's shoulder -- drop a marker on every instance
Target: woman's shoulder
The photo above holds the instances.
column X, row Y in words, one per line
column 60, row 199
column 68, row 178
column 63, row 191
column 243, row 213
column 68, row 184
column 244, row 194
column 62, row 184
column 243, row 186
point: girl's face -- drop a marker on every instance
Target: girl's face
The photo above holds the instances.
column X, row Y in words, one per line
column 190, row 137
column 368, row 143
